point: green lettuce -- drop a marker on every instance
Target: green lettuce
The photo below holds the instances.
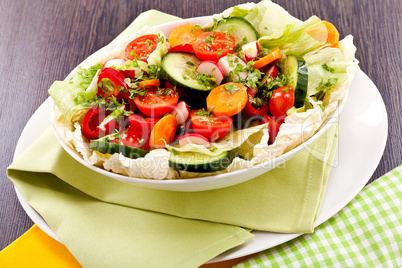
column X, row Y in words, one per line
column 298, row 38
column 72, row 96
column 326, row 68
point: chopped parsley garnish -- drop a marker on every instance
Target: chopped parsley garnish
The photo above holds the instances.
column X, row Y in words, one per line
column 231, row 88
column 323, row 87
column 161, row 38
column 149, row 43
column 269, row 84
column 328, row 68
column 190, row 63
column 203, row 112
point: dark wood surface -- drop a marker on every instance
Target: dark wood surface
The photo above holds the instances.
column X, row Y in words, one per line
column 42, row 41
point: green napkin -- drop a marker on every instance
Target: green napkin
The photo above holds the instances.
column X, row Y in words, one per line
column 104, row 222
column 365, row 233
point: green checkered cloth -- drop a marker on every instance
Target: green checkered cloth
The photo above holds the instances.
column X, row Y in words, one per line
column 366, row 233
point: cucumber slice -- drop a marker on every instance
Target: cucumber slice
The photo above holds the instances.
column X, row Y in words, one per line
column 296, row 67
column 112, row 148
column 240, row 29
column 173, row 70
column 200, row 163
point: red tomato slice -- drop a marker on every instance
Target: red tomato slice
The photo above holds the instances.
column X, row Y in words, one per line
column 211, row 127
column 139, row 130
column 112, row 80
column 157, row 102
column 213, row 45
column 251, row 109
column 182, row 48
column 282, row 99
column 142, row 47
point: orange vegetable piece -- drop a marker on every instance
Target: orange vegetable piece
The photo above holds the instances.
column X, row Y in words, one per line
column 333, row 34
column 227, row 99
column 271, row 57
column 163, row 132
column 150, row 83
column 185, row 34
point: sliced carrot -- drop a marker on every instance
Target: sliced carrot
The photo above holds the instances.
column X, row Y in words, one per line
column 271, row 57
column 185, row 34
column 227, row 99
column 163, row 132
column 150, row 83
column 333, row 34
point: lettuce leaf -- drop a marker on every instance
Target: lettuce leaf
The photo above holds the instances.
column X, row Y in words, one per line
column 326, row 68
column 266, row 17
column 71, row 96
column 296, row 38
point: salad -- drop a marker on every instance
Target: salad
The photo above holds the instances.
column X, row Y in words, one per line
column 247, row 86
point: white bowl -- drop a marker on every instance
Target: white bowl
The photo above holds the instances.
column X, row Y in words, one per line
column 209, row 182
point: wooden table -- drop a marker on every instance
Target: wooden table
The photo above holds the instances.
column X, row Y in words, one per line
column 42, row 41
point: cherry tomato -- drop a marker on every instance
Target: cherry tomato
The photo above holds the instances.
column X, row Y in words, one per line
column 92, row 119
column 273, row 127
column 282, row 99
column 255, row 107
column 213, row 45
column 157, row 102
column 142, row 47
column 139, row 130
column 182, row 48
column 110, row 81
column 211, row 127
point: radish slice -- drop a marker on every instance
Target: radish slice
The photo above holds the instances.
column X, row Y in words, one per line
column 181, row 112
column 114, row 62
column 211, row 67
column 228, row 64
column 251, row 50
column 194, row 138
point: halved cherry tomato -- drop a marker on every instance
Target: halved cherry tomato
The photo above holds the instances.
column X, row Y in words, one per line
column 141, row 47
column 182, row 48
column 253, row 108
column 211, row 127
column 213, row 45
column 110, row 81
column 273, row 127
column 273, row 71
column 139, row 130
column 282, row 99
column 91, row 120
column 157, row 102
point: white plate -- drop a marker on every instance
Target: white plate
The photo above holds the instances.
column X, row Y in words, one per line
column 364, row 129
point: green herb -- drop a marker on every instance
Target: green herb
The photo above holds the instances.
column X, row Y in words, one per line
column 324, row 87
column 231, row 88
column 205, row 79
column 149, row 43
column 321, row 106
column 185, row 77
column 328, row 68
column 161, row 38
column 210, row 39
column 87, row 75
column 106, row 85
column 269, row 84
column 140, row 142
column 175, row 152
column 203, row 112
column 245, row 41
column 258, row 102
column 137, row 92
column 190, row 63
column 153, row 71
column 197, row 27
column 163, row 92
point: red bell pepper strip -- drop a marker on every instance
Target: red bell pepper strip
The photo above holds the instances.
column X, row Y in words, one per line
column 273, row 127
column 139, row 131
column 91, row 120
column 115, row 77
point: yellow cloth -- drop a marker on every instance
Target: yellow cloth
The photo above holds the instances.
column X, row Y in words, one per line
column 36, row 249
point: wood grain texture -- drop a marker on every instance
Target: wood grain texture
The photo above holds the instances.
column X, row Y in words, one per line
column 42, row 41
